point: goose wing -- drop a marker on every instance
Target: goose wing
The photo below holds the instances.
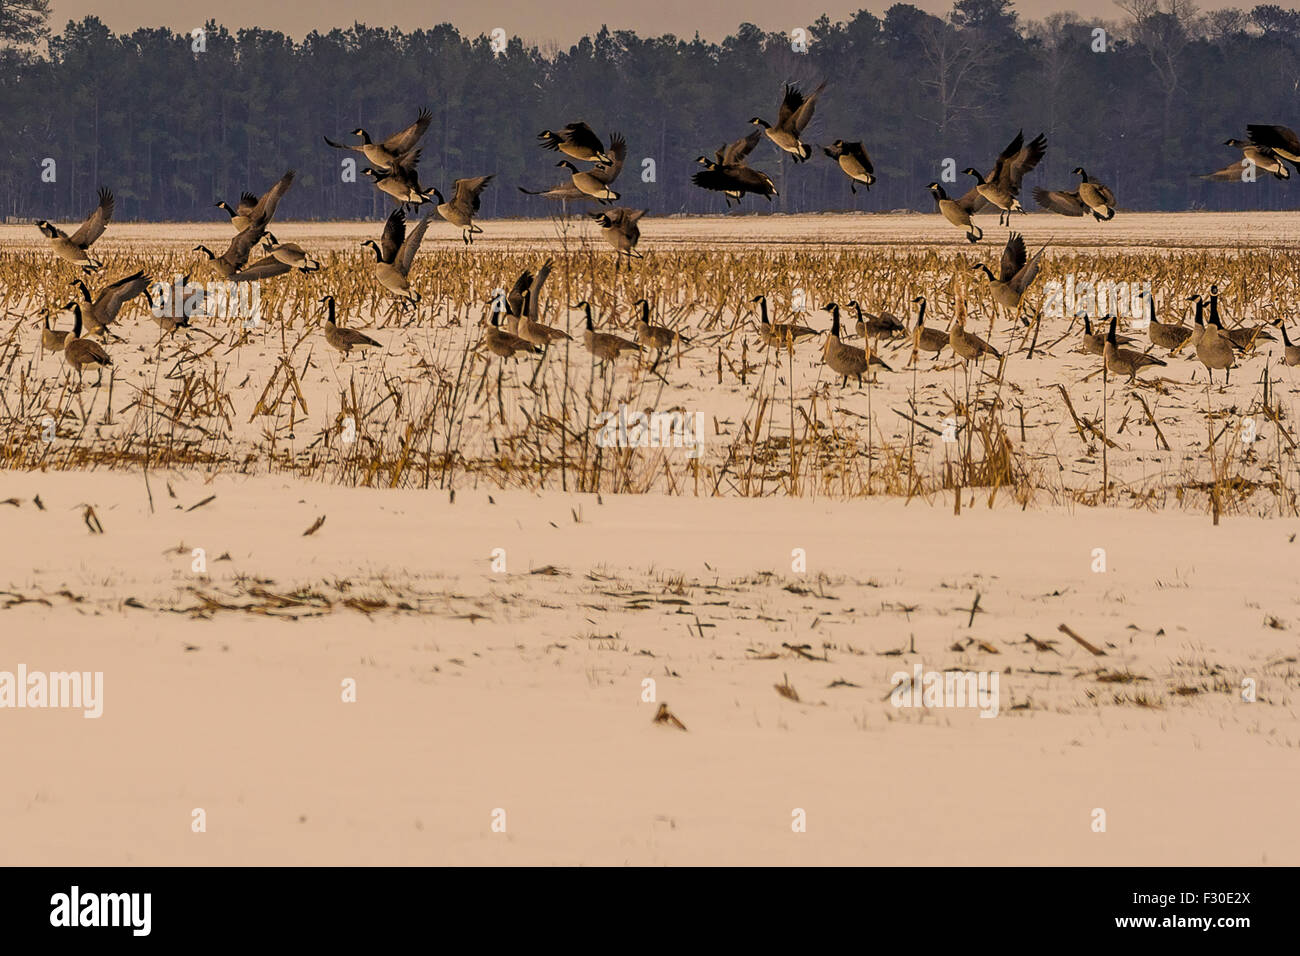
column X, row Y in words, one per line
column 1274, row 137
column 237, row 252
column 1230, row 173
column 394, row 235
column 1013, row 257
column 1018, row 159
column 737, row 151
column 411, row 245
column 535, row 288
column 1066, row 203
column 972, row 201
column 804, row 113
column 515, row 297
column 402, row 141
column 617, row 152
column 94, row 227
column 266, row 206
column 119, row 293
column 467, row 192
column 247, row 203
column 581, row 135
column 263, row 268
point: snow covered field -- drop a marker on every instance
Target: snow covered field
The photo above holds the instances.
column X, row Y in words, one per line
column 499, row 642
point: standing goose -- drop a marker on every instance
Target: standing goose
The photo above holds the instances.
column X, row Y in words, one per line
column 620, row 229
column 101, row 311
column 291, row 254
column 926, row 339
column 1015, row 273
column 253, row 210
column 79, row 352
column 394, row 254
column 75, row 248
column 402, row 181
column 502, row 343
column 1198, row 321
column 384, row 155
column 52, row 340
column 778, row 334
column 1124, row 361
column 793, row 118
column 1095, row 343
column 658, row 337
column 968, row 345
column 464, row 203
column 1214, row 349
column 1252, row 157
column 958, row 211
column 344, row 339
column 1002, row 186
column 603, row 345
column 533, row 331
column 846, row 360
column 1290, row 350
column 1096, row 196
column 854, row 161
column 733, row 180
column 1170, row 337
column 577, row 140
column 1241, row 338
column 874, row 326
column 1282, row 140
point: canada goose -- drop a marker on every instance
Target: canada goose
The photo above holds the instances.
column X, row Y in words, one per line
column 402, row 181
column 577, row 140
column 1215, row 350
column 733, row 180
column 1282, row 140
column 926, row 339
column 384, row 155
column 79, row 352
column 1252, row 156
column 534, row 332
column 1095, row 343
column 340, row 338
column 1096, row 196
column 1002, row 186
column 1170, row 337
column 525, row 297
column 395, row 252
column 603, row 345
column 1124, row 361
column 75, row 248
column 52, row 340
column 291, row 254
column 258, row 211
column 620, row 229
column 657, row 337
column 793, row 118
column 846, row 360
column 236, row 255
column 1015, row 273
column 733, row 154
column 1241, row 338
column 778, row 334
column 502, row 343
column 853, row 159
column 958, row 211
column 101, row 311
column 1290, row 350
column 968, row 345
column 179, row 308
column 464, row 204
column 874, row 326
column 595, row 182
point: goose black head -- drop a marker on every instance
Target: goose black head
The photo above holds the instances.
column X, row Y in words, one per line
column 972, row 171
column 1078, row 171
column 759, row 121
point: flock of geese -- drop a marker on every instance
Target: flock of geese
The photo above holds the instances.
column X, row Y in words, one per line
column 515, row 327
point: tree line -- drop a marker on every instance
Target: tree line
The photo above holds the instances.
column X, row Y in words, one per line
column 173, row 122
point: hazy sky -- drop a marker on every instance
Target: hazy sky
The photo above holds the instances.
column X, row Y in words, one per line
column 561, row 20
